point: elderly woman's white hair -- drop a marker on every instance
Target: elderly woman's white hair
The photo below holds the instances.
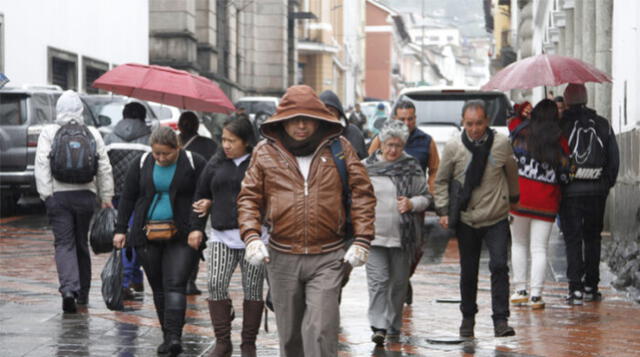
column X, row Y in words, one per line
column 394, row 129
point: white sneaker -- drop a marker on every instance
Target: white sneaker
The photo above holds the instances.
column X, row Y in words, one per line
column 519, row 297
column 536, row 302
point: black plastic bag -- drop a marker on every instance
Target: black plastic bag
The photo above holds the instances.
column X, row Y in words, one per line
column 112, row 281
column 102, row 229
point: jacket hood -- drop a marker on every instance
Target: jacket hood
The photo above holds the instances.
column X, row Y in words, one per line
column 130, row 129
column 330, row 99
column 300, row 100
column 68, row 107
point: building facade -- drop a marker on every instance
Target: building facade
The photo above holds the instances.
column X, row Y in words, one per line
column 330, row 47
column 386, row 36
column 76, row 41
column 246, row 46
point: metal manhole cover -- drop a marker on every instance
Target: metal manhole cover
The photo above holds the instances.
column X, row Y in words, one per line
column 447, row 340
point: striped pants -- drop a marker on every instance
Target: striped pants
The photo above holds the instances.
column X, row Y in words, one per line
column 222, row 263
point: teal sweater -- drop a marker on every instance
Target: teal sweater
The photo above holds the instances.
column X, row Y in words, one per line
column 162, row 178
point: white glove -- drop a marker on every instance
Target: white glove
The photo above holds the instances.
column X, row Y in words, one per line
column 356, row 255
column 256, row 253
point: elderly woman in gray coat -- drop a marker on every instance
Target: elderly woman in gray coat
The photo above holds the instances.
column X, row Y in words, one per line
column 401, row 193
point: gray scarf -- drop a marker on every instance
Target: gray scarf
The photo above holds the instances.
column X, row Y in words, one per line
column 402, row 173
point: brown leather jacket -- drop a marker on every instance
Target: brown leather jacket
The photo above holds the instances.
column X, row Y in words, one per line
column 304, row 218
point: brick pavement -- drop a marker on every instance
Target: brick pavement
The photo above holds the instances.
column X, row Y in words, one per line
column 31, row 322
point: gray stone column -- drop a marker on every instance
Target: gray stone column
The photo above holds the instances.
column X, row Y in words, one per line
column 560, row 46
column 577, row 30
column 603, row 28
column 568, row 33
column 172, row 34
column 589, row 40
column 206, row 28
column 271, row 40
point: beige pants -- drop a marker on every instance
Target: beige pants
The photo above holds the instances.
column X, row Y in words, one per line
column 304, row 290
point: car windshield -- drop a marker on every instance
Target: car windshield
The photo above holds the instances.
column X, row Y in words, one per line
column 255, row 106
column 447, row 108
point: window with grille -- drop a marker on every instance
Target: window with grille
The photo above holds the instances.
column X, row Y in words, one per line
column 92, row 69
column 63, row 68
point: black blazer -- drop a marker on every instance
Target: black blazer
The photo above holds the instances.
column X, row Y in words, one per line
column 139, row 190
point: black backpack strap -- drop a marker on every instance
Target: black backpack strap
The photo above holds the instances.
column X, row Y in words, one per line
column 338, row 159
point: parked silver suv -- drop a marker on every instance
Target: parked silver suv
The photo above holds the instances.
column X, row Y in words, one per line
column 23, row 114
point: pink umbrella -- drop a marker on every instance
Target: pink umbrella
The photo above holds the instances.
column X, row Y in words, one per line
column 544, row 70
column 167, row 86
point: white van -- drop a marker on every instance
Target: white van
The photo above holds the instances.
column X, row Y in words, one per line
column 439, row 109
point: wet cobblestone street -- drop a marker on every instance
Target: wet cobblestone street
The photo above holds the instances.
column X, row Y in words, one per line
column 32, row 323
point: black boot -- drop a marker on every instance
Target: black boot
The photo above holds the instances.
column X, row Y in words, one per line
column 158, row 301
column 502, row 329
column 69, row 302
column 192, row 288
column 174, row 320
column 175, row 305
column 251, row 317
column 466, row 328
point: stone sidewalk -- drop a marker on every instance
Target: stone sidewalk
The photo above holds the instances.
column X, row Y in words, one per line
column 32, row 324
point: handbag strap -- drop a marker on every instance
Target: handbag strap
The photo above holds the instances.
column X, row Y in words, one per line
column 186, row 145
column 155, row 203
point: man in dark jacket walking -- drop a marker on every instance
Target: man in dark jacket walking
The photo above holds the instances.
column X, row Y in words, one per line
column 189, row 138
column 351, row 132
column 128, row 140
column 595, row 162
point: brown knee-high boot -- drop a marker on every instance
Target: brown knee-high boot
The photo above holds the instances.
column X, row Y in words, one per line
column 220, row 312
column 252, row 315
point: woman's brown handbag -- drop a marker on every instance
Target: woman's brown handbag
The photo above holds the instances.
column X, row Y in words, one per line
column 159, row 229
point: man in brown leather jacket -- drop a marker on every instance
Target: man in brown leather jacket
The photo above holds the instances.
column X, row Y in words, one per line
column 293, row 186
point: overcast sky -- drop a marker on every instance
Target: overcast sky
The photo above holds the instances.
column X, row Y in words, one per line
column 467, row 15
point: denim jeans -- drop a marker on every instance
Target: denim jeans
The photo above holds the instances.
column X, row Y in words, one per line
column 132, row 274
column 497, row 238
column 581, row 219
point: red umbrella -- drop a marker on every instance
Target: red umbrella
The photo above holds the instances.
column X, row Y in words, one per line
column 167, row 86
column 544, row 70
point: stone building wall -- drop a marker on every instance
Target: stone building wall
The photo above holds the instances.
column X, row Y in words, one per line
column 242, row 44
column 622, row 250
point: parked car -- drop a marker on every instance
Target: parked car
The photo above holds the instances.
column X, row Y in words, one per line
column 109, row 107
column 23, row 114
column 439, row 109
